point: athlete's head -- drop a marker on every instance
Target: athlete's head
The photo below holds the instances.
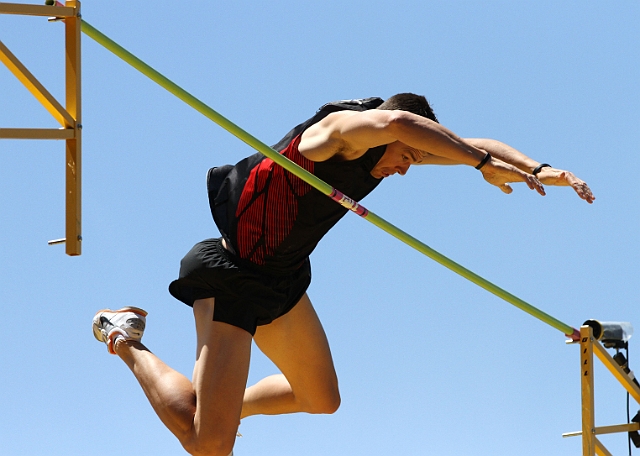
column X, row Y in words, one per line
column 398, row 156
column 417, row 104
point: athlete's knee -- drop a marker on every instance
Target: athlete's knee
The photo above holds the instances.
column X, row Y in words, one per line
column 209, row 446
column 330, row 404
column 326, row 403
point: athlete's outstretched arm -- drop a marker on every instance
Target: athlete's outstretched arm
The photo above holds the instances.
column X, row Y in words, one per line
column 350, row 134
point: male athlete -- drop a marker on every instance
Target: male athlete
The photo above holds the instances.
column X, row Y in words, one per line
column 251, row 283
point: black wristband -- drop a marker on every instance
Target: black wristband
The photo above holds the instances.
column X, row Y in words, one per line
column 484, row 161
column 538, row 168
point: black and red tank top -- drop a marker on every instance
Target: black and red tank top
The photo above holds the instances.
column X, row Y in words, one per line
column 273, row 219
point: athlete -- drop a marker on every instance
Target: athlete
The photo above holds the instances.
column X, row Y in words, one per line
column 251, row 283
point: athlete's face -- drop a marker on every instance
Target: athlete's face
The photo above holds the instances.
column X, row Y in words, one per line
column 396, row 159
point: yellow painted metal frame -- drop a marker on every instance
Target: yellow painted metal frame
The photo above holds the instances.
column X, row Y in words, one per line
column 591, row 446
column 69, row 117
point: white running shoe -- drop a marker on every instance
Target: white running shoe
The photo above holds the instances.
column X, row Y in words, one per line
column 128, row 322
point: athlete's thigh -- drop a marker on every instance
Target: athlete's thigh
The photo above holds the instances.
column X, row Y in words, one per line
column 220, row 373
column 298, row 346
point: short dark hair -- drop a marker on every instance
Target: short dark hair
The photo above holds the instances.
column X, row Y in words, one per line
column 417, row 104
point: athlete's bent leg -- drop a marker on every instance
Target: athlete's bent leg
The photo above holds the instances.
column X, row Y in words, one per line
column 204, row 413
column 297, row 344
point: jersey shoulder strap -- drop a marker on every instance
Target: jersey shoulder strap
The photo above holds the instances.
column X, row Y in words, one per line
column 360, row 104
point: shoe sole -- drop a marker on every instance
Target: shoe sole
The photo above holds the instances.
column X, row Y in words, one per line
column 136, row 310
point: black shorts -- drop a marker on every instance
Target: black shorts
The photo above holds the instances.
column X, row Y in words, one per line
column 245, row 296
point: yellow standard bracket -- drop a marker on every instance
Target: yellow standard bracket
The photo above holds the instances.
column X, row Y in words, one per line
column 591, row 446
column 69, row 117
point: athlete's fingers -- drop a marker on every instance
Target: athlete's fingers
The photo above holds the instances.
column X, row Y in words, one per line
column 535, row 184
column 506, row 188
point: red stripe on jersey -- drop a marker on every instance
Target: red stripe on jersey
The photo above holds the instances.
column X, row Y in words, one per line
column 268, row 207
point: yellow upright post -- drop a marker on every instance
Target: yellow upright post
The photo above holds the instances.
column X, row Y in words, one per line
column 588, row 409
column 73, row 145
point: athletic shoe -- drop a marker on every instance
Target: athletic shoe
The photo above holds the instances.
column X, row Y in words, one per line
column 128, row 322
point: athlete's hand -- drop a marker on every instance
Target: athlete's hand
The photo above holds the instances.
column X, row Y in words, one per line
column 500, row 174
column 553, row 176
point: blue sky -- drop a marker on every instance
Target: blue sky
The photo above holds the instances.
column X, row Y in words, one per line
column 428, row 363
